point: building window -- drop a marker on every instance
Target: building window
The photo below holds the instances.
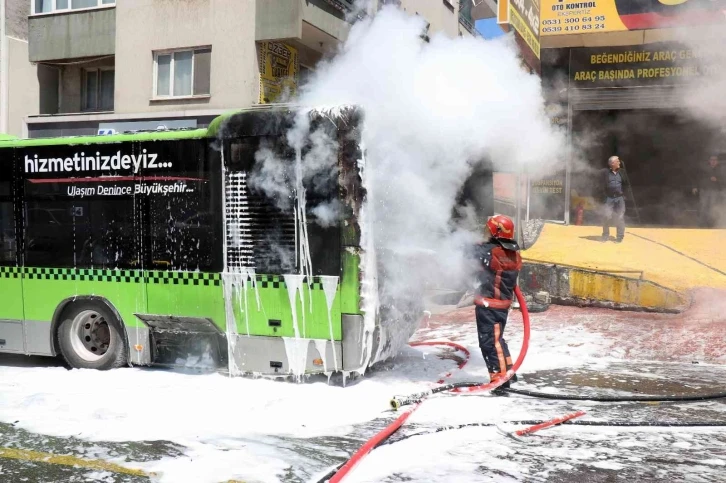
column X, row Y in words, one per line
column 449, row 5
column 97, row 89
column 182, row 73
column 50, row 6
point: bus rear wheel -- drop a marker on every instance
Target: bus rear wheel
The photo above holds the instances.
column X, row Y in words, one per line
column 89, row 338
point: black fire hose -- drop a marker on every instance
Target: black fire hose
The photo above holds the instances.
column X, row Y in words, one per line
column 624, row 424
column 571, row 397
column 397, row 402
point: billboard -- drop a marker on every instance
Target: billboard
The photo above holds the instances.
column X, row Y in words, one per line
column 524, row 16
column 563, row 17
column 279, row 69
column 667, row 63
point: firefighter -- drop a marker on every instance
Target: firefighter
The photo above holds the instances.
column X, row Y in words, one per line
column 497, row 277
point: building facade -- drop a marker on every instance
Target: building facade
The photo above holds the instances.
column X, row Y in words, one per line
column 106, row 66
column 18, row 82
column 640, row 80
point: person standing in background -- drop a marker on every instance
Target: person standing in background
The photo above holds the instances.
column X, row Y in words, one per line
column 614, row 200
column 710, row 186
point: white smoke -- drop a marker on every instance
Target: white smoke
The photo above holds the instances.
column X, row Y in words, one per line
column 275, row 175
column 432, row 111
column 702, row 95
column 327, row 213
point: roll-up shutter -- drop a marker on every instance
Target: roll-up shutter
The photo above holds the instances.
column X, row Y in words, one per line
column 655, row 97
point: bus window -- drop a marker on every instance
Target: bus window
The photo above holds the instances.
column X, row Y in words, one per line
column 7, row 233
column 7, row 219
column 260, row 217
column 111, row 231
column 185, row 224
column 50, row 234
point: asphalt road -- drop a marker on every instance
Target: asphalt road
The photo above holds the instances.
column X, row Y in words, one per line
column 21, row 459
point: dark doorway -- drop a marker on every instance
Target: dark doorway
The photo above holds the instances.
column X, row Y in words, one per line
column 662, row 152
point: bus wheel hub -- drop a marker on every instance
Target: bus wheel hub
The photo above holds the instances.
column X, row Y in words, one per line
column 91, row 335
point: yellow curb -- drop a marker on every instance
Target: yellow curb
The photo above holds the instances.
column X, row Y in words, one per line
column 67, row 460
column 652, row 252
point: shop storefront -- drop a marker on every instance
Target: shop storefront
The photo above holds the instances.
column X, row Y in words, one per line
column 643, row 103
column 635, row 93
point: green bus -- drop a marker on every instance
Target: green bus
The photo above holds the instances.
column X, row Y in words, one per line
column 153, row 248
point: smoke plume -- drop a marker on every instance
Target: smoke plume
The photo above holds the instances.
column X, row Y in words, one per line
column 701, row 96
column 432, row 112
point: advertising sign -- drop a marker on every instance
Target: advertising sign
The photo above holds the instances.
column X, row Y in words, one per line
column 524, row 16
column 108, row 170
column 547, row 197
column 279, row 69
column 562, row 17
column 664, row 64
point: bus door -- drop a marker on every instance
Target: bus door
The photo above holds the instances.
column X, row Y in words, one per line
column 11, row 289
column 182, row 201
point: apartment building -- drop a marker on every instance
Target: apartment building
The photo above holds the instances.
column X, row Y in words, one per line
column 17, row 75
column 104, row 66
column 452, row 17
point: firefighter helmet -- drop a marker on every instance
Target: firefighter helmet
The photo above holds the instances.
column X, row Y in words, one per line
column 501, row 227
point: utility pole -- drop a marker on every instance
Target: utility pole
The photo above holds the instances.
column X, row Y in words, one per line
column 518, row 213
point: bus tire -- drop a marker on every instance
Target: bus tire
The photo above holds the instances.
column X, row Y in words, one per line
column 90, row 337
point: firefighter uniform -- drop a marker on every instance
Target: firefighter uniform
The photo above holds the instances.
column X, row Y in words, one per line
column 497, row 278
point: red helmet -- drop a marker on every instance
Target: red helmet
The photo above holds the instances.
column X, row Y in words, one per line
column 501, row 226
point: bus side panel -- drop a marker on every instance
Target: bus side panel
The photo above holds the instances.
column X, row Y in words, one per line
column 46, row 288
column 186, row 294
column 11, row 293
column 273, row 317
column 350, row 284
column 323, row 321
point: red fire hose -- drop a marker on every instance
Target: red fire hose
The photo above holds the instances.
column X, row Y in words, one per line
column 416, row 399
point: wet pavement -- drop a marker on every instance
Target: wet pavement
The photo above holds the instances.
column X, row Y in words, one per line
column 650, row 354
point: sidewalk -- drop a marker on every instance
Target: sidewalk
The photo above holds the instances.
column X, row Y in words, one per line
column 680, row 259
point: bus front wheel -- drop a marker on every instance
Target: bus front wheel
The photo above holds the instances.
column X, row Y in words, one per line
column 89, row 338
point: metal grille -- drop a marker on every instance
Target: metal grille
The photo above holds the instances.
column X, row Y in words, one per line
column 657, row 97
column 259, row 235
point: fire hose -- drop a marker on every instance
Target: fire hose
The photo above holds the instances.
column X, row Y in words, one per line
column 383, row 437
column 399, row 401
column 338, row 473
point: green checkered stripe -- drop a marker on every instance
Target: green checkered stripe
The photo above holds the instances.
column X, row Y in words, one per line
column 10, row 272
column 116, row 276
column 82, row 275
column 184, row 278
column 278, row 281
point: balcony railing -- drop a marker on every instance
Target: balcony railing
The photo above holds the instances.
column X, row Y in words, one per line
column 346, row 8
column 467, row 23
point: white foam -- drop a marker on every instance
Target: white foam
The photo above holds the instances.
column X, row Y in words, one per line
column 330, row 287
column 294, row 286
column 322, row 345
column 297, row 355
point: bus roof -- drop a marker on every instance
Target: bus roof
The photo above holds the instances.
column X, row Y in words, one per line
column 8, row 141
column 113, row 138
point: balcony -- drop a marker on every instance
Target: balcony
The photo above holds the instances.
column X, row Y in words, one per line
column 318, row 25
column 482, row 9
column 71, row 33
